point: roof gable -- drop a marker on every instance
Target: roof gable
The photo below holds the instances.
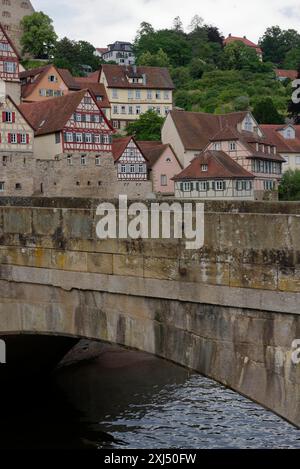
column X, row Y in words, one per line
column 52, row 115
column 9, row 41
column 121, row 144
column 219, row 166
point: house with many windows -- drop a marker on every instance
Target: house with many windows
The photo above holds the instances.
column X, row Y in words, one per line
column 214, row 175
column 287, row 140
column 16, row 150
column 119, row 52
column 133, row 90
column 236, row 134
column 68, row 125
column 130, row 161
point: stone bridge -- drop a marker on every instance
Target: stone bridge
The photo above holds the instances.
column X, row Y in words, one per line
column 230, row 310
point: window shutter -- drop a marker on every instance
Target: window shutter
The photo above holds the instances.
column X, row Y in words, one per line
column 192, row 186
column 207, row 186
column 3, row 116
column 197, row 186
column 9, row 138
column 213, row 184
column 27, row 139
column 19, row 138
column 74, row 137
column 224, row 185
column 83, row 117
column 13, row 117
column 181, row 186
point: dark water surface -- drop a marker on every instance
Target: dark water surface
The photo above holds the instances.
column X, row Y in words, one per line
column 132, row 400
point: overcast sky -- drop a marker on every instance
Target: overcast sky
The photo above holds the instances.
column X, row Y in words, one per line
column 103, row 21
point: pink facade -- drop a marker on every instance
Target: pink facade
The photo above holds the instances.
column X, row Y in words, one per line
column 165, row 168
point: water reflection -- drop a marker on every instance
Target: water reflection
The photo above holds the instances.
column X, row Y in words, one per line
column 127, row 399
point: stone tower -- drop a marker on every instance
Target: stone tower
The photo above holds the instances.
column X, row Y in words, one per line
column 11, row 14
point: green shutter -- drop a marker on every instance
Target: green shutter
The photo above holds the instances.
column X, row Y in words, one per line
column 213, row 185
column 224, row 185
column 192, row 186
column 207, row 186
column 181, row 186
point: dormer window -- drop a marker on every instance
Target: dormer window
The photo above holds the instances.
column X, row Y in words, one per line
column 232, row 146
column 289, row 133
column 248, row 124
column 204, row 168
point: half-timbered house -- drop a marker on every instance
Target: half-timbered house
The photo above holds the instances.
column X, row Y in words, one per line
column 69, row 125
column 131, row 163
column 9, row 67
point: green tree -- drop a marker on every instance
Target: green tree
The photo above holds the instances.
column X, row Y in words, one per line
column 276, row 43
column 289, row 188
column 177, row 24
column 73, row 54
column 154, row 60
column 238, row 56
column 266, row 113
column 147, row 127
column 292, row 59
column 39, row 38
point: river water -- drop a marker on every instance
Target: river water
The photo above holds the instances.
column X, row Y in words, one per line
column 126, row 399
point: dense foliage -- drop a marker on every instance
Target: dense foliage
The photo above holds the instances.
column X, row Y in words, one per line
column 212, row 78
column 41, row 42
column 39, row 37
column 289, row 188
column 147, row 127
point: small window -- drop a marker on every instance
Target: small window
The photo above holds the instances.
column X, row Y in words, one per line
column 297, row 160
column 57, row 137
column 97, row 160
column 2, row 186
column 232, row 146
column 163, row 180
column 69, row 160
column 204, row 168
column 83, row 160
column 18, row 186
column 217, row 146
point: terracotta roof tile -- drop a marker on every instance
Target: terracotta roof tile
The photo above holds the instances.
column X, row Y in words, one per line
column 244, row 40
column 98, row 89
column 51, row 115
column 291, row 74
column 156, row 77
column 220, row 166
column 284, row 145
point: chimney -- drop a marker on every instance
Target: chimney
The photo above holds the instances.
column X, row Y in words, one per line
column 245, row 37
column 229, row 34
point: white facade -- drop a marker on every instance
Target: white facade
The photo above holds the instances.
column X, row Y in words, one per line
column 119, row 52
column 218, row 189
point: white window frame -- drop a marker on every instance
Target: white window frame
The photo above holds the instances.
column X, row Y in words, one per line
column 79, row 138
column 219, row 186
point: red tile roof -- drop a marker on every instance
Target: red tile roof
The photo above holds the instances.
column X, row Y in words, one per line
column 40, row 72
column 220, row 166
column 52, row 115
column 197, row 128
column 153, row 150
column 244, row 40
column 102, row 50
column 284, row 145
column 156, row 77
column 120, row 145
column 98, row 89
column 291, row 74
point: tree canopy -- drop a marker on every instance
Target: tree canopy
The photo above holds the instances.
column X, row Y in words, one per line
column 39, row 38
column 289, row 188
column 147, row 127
